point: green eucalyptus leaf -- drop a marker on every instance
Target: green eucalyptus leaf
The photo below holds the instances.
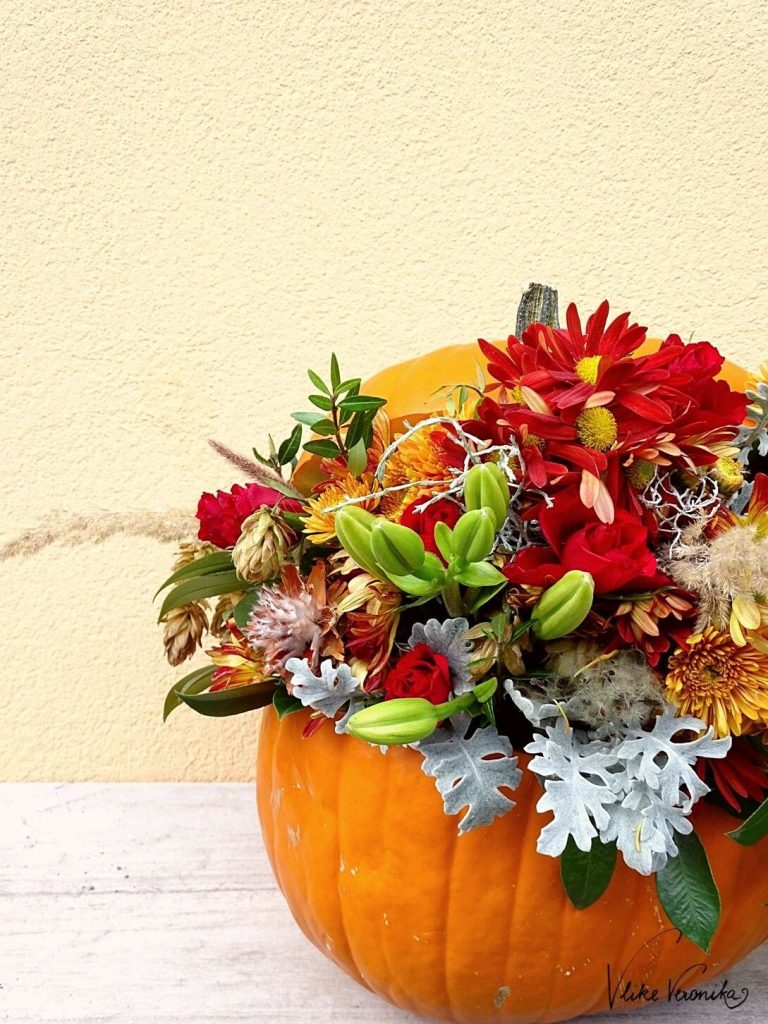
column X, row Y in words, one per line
column 198, row 588
column 357, row 458
column 317, row 380
column 285, row 703
column 348, row 385
column 322, row 402
column 362, row 403
column 335, row 374
column 233, row 701
column 216, row 561
column 324, row 428
column 326, row 449
column 288, row 449
column 754, row 828
column 195, row 682
column 309, row 419
column 586, row 875
column 688, row 892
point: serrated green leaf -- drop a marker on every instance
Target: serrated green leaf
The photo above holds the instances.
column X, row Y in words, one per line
column 754, row 828
column 688, row 892
column 357, row 458
column 586, row 876
column 326, row 449
column 335, row 374
column 200, row 587
column 195, row 682
column 321, row 402
column 317, row 380
column 216, row 561
column 244, row 607
column 287, row 451
column 234, row 701
column 285, row 703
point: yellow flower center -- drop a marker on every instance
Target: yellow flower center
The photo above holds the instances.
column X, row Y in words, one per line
column 597, row 429
column 640, row 474
column 516, row 395
column 587, row 369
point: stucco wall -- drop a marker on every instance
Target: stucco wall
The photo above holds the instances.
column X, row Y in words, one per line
column 198, row 199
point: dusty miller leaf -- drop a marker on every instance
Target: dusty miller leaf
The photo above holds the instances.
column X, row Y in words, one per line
column 327, row 692
column 577, row 787
column 757, row 434
column 469, row 771
column 644, row 828
column 665, row 764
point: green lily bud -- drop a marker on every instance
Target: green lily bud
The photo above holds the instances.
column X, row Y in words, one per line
column 485, row 486
column 353, row 528
column 403, row 720
column 564, row 606
column 474, row 534
column 398, row 549
column 426, row 581
column 410, row 719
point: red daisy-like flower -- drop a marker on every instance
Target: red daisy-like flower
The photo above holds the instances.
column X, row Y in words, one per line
column 741, row 775
column 571, row 398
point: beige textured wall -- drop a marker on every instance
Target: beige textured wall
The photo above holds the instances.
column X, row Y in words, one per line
column 200, row 198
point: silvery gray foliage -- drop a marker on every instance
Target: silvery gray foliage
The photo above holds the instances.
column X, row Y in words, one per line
column 327, row 692
column 666, row 764
column 469, row 771
column 577, row 790
column 634, row 787
column 355, row 704
column 447, row 638
column 644, row 827
column 757, row 411
column 740, row 500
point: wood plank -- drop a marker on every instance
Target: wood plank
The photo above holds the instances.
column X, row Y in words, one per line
column 149, row 902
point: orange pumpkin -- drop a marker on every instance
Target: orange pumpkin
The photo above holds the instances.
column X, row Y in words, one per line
column 474, row 928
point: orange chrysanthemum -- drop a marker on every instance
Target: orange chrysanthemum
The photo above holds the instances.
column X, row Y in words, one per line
column 425, row 456
column 724, row 685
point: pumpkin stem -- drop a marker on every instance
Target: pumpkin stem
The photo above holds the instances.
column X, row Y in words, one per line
column 537, row 306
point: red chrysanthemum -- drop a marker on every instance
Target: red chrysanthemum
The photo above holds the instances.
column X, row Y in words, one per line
column 741, row 775
column 222, row 514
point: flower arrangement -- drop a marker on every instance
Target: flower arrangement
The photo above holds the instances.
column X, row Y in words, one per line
column 562, row 572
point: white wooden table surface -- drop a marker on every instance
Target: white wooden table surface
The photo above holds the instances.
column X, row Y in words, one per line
column 151, row 902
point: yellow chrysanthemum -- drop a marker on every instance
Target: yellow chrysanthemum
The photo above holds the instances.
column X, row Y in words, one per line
column 724, row 685
column 320, row 523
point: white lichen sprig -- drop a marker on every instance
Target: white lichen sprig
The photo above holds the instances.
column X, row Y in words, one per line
column 679, row 507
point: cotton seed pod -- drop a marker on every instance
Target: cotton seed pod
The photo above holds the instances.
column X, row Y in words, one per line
column 353, row 529
column 485, row 486
column 260, row 551
column 474, row 534
column 564, row 606
column 398, row 549
column 403, row 720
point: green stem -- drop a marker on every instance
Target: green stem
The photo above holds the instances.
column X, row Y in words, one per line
column 451, row 595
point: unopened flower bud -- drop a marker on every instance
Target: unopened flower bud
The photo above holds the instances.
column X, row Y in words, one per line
column 264, row 541
column 353, row 529
column 398, row 549
column 485, row 486
column 728, row 474
column 564, row 606
column 403, row 720
column 474, row 534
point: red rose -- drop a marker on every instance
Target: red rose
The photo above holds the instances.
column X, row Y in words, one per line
column 442, row 511
column 222, row 514
column 421, row 672
column 616, row 554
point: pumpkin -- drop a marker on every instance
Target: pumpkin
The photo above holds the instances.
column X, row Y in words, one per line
column 474, row 929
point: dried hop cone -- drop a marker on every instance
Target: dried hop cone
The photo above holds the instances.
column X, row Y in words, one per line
column 264, row 542
column 183, row 631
